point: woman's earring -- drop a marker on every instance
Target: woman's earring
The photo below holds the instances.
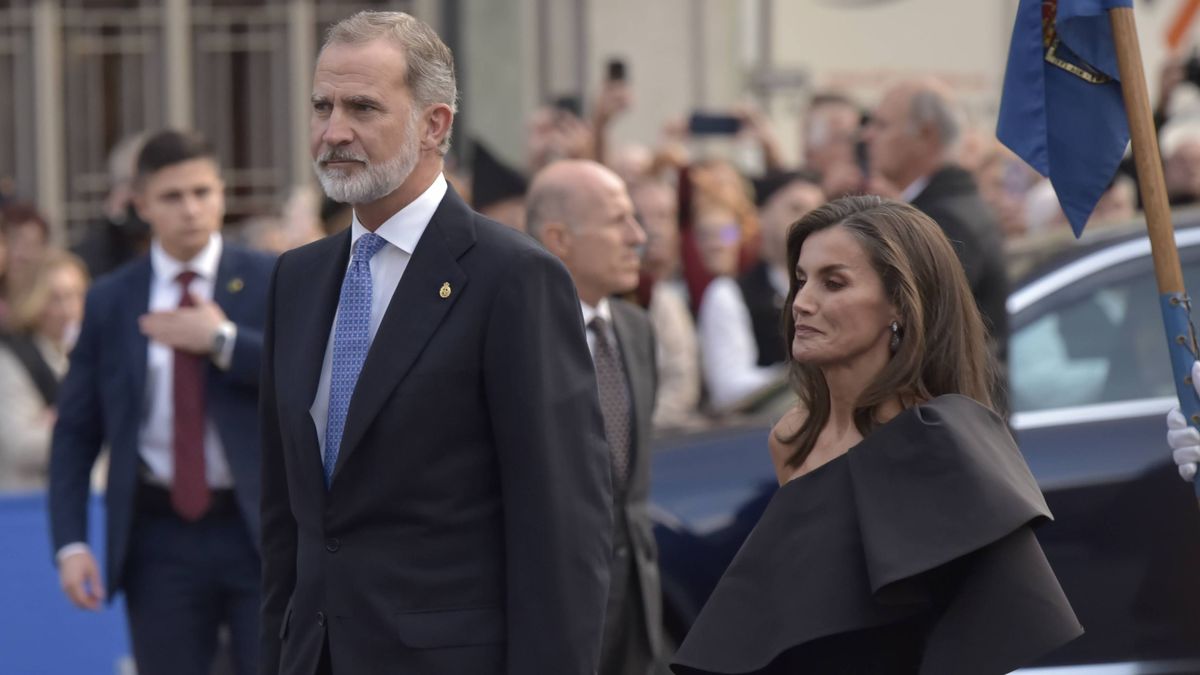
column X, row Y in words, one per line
column 895, row 336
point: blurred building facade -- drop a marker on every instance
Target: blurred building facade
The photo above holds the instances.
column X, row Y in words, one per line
column 85, row 73
column 78, row 75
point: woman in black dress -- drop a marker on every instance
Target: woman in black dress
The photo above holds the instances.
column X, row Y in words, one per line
column 900, row 539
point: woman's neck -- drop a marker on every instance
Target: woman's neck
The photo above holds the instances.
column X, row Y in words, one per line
column 846, row 384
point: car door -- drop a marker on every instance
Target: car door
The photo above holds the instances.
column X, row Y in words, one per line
column 1089, row 386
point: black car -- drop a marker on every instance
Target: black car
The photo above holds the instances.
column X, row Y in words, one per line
column 1089, row 387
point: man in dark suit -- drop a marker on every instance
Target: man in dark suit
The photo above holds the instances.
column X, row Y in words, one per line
column 581, row 212
column 165, row 373
column 782, row 198
column 912, row 140
column 119, row 235
column 436, row 490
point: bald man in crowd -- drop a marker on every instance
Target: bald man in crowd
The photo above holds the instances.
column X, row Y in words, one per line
column 831, row 134
column 581, row 213
column 912, row 141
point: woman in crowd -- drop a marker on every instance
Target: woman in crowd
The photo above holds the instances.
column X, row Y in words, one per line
column 900, row 540
column 728, row 353
column 33, row 360
column 27, row 235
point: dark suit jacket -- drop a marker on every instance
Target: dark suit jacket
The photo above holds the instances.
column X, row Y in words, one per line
column 765, row 305
column 102, row 400
column 468, row 525
column 635, row 337
column 952, row 199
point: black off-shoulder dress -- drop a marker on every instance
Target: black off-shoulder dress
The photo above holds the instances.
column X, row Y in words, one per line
column 911, row 553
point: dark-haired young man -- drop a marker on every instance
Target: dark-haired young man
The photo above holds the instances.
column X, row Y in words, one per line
column 165, row 373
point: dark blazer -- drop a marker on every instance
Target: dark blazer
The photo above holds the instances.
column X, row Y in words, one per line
column 468, row 525
column 102, row 399
column 765, row 305
column 952, row 199
column 635, row 337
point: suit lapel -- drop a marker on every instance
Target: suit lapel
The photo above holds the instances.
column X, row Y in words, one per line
column 301, row 339
column 228, row 285
column 139, row 304
column 320, row 298
column 416, row 310
column 636, row 362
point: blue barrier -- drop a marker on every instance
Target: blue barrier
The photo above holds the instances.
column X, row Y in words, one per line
column 41, row 632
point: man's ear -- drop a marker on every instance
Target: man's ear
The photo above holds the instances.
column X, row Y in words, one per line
column 556, row 237
column 438, row 120
column 929, row 134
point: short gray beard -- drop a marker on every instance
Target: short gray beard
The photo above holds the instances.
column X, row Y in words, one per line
column 375, row 181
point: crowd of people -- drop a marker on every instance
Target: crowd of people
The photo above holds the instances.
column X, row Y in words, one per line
column 712, row 273
column 692, row 279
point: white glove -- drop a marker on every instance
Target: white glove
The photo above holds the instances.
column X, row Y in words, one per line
column 1182, row 437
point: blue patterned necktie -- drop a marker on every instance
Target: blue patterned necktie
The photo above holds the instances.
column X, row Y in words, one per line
column 351, row 339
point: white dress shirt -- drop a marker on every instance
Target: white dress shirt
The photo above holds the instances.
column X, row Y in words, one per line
column 915, row 189
column 604, row 311
column 402, row 232
column 779, row 280
column 157, row 435
column 728, row 349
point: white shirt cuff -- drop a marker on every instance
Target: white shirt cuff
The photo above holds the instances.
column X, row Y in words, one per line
column 70, row 550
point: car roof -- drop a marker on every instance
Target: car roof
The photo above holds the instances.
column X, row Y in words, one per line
column 1037, row 256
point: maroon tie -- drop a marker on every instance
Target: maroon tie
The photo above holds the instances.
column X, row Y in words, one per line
column 189, row 490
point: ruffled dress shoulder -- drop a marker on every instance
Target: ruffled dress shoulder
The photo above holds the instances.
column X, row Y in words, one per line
column 911, row 553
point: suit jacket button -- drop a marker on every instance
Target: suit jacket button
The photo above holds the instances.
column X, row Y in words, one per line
column 320, row 618
column 332, row 545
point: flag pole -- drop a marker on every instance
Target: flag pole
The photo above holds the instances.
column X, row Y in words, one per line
column 1181, row 336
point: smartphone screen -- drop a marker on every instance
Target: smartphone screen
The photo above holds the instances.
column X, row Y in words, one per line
column 705, row 124
column 570, row 104
column 617, row 71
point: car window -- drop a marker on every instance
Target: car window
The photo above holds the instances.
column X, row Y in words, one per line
column 1099, row 342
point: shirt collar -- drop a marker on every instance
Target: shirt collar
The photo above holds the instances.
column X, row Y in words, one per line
column 778, row 278
column 204, row 264
column 404, row 229
column 602, row 310
column 914, row 189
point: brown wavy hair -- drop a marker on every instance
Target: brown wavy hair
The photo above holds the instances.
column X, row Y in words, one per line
column 943, row 344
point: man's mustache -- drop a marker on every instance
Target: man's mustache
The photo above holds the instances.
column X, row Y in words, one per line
column 340, row 156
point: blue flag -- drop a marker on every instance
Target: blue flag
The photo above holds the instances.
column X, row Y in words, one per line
column 1061, row 110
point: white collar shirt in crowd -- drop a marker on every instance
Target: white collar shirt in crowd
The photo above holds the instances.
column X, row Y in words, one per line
column 158, row 424
column 603, row 310
column 728, row 348
column 914, row 189
column 402, row 232
column 779, row 279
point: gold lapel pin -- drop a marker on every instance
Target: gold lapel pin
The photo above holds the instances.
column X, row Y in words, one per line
column 235, row 284
column 445, row 291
